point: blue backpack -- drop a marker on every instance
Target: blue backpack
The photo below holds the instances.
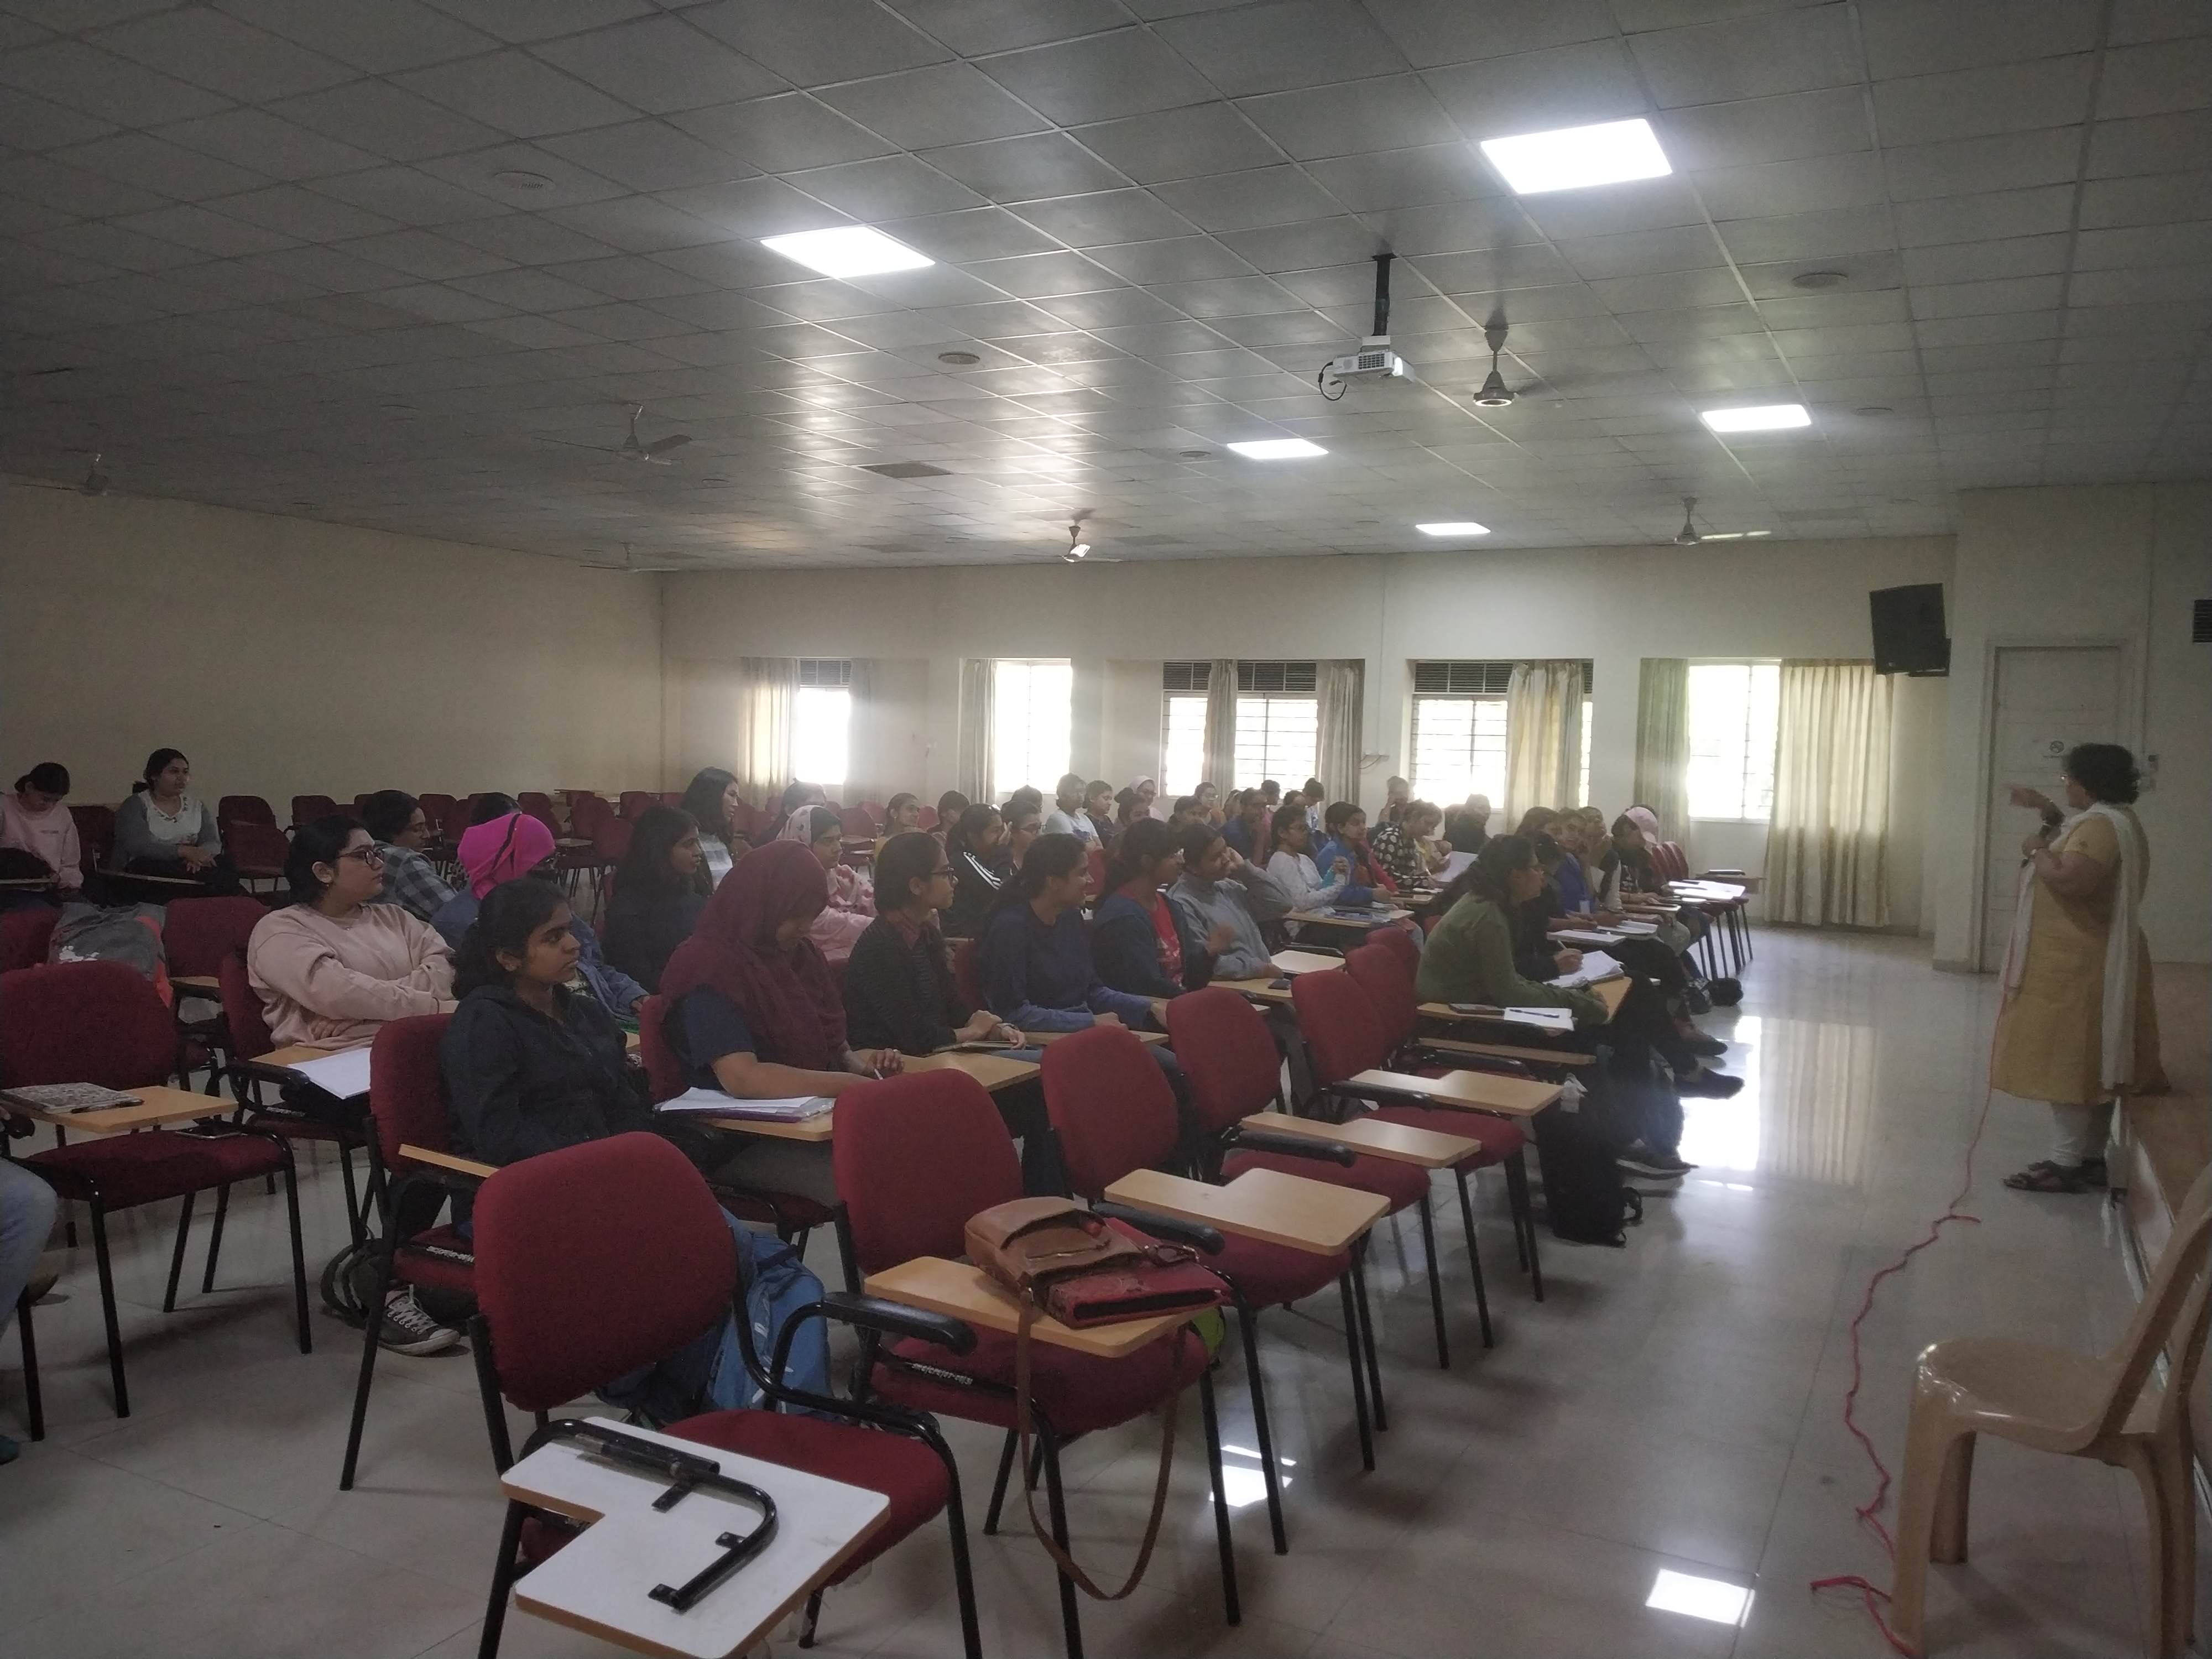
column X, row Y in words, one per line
column 777, row 1285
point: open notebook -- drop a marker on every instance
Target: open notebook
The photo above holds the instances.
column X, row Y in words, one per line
column 713, row 1103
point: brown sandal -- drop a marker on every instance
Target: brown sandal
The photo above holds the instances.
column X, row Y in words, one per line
column 2045, row 1177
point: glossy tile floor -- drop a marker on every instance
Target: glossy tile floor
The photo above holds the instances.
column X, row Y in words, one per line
column 1665, row 1428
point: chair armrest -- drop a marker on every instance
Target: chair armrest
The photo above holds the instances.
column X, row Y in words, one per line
column 1327, row 1151
column 1563, row 1059
column 873, row 1313
column 1201, row 1237
column 449, row 1163
column 1478, row 1062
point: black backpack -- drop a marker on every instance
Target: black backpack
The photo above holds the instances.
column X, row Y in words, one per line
column 1583, row 1191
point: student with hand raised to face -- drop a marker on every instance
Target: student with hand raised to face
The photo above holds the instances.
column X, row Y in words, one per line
column 1222, row 897
column 1346, row 839
column 1290, row 862
column 1142, row 943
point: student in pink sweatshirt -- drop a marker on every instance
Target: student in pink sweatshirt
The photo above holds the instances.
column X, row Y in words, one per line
column 33, row 818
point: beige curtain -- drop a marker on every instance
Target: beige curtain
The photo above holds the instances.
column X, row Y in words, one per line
column 1336, row 747
column 1828, row 840
column 864, row 768
column 1543, row 735
column 971, row 772
column 1663, row 742
column 1221, row 724
column 767, row 693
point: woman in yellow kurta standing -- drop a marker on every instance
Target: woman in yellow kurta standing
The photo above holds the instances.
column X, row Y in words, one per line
column 2077, row 1027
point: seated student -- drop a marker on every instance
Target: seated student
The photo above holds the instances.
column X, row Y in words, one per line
column 1536, row 821
column 33, row 820
column 713, row 799
column 1315, row 793
column 1290, row 862
column 1147, row 793
column 950, row 805
column 1024, row 823
column 165, row 830
column 1246, row 832
column 1209, row 805
column 1397, row 796
column 1221, row 897
column 402, row 830
column 1068, row 816
column 1025, row 798
column 1631, row 883
column 515, row 844
column 795, row 796
column 754, row 1011
column 899, row 989
column 1466, row 826
column 976, row 850
column 852, row 904
column 1397, row 847
column 901, row 814
column 1271, row 793
column 1345, row 828
column 1141, row 943
column 659, row 891
column 1098, row 807
column 28, row 1208
column 1038, row 973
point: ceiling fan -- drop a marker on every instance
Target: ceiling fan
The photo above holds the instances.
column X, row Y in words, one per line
column 1494, row 393
column 1690, row 536
column 630, row 567
column 94, row 482
column 633, row 448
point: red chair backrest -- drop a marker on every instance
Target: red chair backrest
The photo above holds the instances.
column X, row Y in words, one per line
column 968, row 971
column 407, row 1087
column 96, row 835
column 587, row 812
column 84, row 1022
column 1399, row 943
column 672, row 797
column 539, row 805
column 611, row 835
column 199, row 932
column 1671, row 861
column 25, row 933
column 634, row 801
column 1111, row 1106
column 859, row 822
column 927, row 819
column 1228, row 1055
column 437, row 809
column 241, row 1009
column 915, row 1156
column 1094, row 879
column 243, row 808
column 255, row 846
column 306, row 809
column 623, row 1226
column 1344, row 1035
column 663, row 1070
column 1379, row 971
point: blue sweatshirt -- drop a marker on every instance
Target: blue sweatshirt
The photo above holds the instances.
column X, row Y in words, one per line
column 1042, row 979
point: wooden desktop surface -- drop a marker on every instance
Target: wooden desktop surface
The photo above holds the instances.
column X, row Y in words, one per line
column 1423, row 1147
column 453, row 1161
column 1466, row 1092
column 1330, row 918
column 969, row 1293
column 1317, row 1217
column 1045, row 1039
column 200, row 985
column 297, row 1054
column 162, row 1105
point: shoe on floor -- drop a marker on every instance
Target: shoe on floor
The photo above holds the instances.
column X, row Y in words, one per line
column 1698, row 1042
column 408, row 1329
column 1710, row 1085
column 1654, row 1166
column 2045, row 1177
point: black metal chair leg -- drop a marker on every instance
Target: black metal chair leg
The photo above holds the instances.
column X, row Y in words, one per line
column 1435, row 1286
column 33, row 1401
column 299, row 1253
column 813, row 1619
column 371, row 1328
column 998, row 1484
column 1230, row 1607
column 1351, row 1346
column 108, row 1309
column 503, row 1581
column 177, row 1255
column 1247, row 1324
column 215, row 1237
column 1367, row 1337
column 1473, row 1259
column 1071, row 1620
column 1517, row 1187
column 964, row 1578
column 355, row 1222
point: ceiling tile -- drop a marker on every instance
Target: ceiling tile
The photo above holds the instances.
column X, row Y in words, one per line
column 424, row 254
column 1808, row 235
column 1971, row 262
column 1607, row 210
column 1779, row 52
column 2156, row 80
column 523, row 238
column 391, row 35
column 1974, row 166
column 1244, row 201
column 1668, row 291
column 1680, row 247
column 747, row 207
column 1780, row 187
column 941, row 104
column 1994, row 214
column 1178, row 259
column 141, row 159
column 660, row 65
column 1531, row 266
column 1306, row 246
column 1758, row 130
column 1977, row 299
column 2154, row 143
column 33, row 124
column 893, row 187
column 2109, row 201
column 100, row 84
column 385, row 119
column 1434, row 174
column 648, row 155
column 1537, row 91
column 202, row 45
column 2137, row 20
column 256, row 139
column 970, row 234
column 1112, row 215
column 213, row 234
column 1181, row 143
column 973, row 28
column 109, row 244
column 1100, row 78
column 1040, row 275
column 515, row 93
column 409, row 194
column 784, row 134
column 1388, row 113
column 1044, row 164
column 301, row 214
column 2050, row 92
column 1432, row 33
column 1277, row 46
column 1904, row 38
column 2139, row 285
column 821, row 42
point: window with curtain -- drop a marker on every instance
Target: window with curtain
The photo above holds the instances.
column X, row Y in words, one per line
column 1581, row 777
column 1183, row 726
column 1459, row 730
column 1278, row 723
column 1032, row 723
column 1733, row 710
column 822, row 722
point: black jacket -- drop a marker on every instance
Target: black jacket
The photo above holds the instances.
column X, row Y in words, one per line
column 1534, row 955
column 643, row 933
column 1126, row 949
column 899, row 995
column 518, row 1083
column 976, row 887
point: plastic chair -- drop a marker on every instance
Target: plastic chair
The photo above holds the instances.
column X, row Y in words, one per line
column 2112, row 1408
column 1113, row 1111
column 627, row 1227
column 916, row 1156
column 99, row 1022
column 407, row 1100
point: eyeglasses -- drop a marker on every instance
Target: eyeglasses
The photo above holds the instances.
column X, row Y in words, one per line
column 371, row 856
column 942, row 870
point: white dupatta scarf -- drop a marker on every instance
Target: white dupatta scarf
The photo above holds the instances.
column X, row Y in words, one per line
column 2116, row 1067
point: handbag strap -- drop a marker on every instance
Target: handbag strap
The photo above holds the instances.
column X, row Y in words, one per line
column 1024, row 1426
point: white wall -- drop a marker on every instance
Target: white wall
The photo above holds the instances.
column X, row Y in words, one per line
column 1615, row 606
column 287, row 657
column 2081, row 565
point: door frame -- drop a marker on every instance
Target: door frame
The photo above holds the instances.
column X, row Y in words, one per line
column 2131, row 732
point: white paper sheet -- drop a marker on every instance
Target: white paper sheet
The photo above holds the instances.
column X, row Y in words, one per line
column 713, row 1103
column 1597, row 966
column 345, row 1074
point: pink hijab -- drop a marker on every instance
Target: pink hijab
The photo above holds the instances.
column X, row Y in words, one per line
column 503, row 849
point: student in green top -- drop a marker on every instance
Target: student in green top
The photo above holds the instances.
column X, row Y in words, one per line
column 1469, row 957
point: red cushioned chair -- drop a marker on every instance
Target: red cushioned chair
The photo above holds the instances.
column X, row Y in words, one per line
column 257, row 850
column 1381, row 973
column 634, row 801
column 196, row 934
column 792, row 1215
column 916, row 1156
column 537, row 804
column 306, row 809
column 627, row 1227
column 1115, row 1112
column 968, row 972
column 96, row 835
column 407, row 1101
column 102, row 1021
column 860, row 825
column 437, row 809
column 25, row 934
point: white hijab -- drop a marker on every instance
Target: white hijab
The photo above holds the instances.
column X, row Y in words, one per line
column 2116, row 1067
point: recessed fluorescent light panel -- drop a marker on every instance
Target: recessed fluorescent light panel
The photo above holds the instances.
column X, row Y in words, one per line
column 1700, row 1598
column 1764, row 417
column 1468, row 527
column 1732, row 535
column 847, row 250
column 1278, row 449
column 1574, row 158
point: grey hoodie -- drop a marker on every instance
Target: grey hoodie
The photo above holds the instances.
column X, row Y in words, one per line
column 1243, row 902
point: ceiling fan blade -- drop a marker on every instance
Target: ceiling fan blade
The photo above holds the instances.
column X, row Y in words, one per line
column 660, row 446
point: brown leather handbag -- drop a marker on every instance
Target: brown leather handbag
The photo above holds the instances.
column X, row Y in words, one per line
column 1060, row 1260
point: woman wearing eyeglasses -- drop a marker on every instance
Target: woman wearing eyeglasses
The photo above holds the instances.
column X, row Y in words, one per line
column 333, row 965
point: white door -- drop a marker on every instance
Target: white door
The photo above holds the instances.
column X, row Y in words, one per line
column 2049, row 699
